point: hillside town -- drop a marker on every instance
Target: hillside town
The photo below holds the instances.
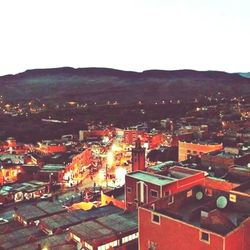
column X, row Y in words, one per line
column 177, row 182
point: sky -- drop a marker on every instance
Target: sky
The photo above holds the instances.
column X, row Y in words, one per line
column 125, row 34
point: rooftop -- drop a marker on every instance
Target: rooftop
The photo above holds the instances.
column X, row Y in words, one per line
column 92, row 230
column 120, row 222
column 162, row 166
column 52, row 167
column 107, row 226
column 216, row 214
column 52, row 242
column 152, row 178
column 18, row 237
column 40, row 210
column 25, row 186
column 63, row 220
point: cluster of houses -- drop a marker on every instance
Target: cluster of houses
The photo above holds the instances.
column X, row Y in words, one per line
column 199, row 198
column 33, row 171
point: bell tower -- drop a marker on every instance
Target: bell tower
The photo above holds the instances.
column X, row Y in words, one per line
column 138, row 156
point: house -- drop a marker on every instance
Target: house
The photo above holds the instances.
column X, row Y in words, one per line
column 225, row 159
column 196, row 220
column 196, row 149
column 115, row 197
column 29, row 214
column 144, row 187
column 115, row 231
column 22, row 191
column 60, row 222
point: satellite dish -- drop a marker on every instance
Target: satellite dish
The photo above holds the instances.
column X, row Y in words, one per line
column 199, row 195
column 221, row 202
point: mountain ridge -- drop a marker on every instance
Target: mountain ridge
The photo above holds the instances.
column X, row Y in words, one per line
column 104, row 84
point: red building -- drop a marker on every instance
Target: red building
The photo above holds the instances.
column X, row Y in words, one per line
column 51, row 147
column 173, row 139
column 153, row 139
column 225, row 160
column 197, row 220
column 99, row 133
column 82, row 159
column 194, row 149
column 143, row 187
column 9, row 174
column 130, row 136
column 79, row 164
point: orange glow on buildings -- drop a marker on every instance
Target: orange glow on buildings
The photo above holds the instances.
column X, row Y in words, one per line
column 195, row 149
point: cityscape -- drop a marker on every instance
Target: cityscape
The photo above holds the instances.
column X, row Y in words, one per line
column 142, row 143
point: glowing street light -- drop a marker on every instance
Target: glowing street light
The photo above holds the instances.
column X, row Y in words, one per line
column 110, row 158
column 115, row 148
column 120, row 175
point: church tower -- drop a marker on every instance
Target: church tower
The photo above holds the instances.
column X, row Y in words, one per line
column 138, row 156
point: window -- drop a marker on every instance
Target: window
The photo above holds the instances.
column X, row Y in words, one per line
column 129, row 237
column 209, row 192
column 151, row 245
column 76, row 238
column 189, row 193
column 170, row 199
column 124, row 239
column 88, row 246
column 204, row 237
column 155, row 218
column 154, row 193
column 232, row 197
column 167, row 193
column 108, row 245
column 129, row 189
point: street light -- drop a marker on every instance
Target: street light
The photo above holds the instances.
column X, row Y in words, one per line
column 110, row 160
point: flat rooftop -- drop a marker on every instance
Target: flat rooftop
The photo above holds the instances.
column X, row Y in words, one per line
column 120, row 222
column 25, row 186
column 162, row 166
column 49, row 242
column 106, row 226
column 152, row 178
column 221, row 221
column 63, row 220
column 40, row 210
column 19, row 237
column 92, row 230
column 52, row 167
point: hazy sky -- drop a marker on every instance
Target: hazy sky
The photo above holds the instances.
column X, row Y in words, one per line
column 125, row 34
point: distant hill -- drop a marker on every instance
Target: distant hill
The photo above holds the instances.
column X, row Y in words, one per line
column 102, row 84
column 247, row 75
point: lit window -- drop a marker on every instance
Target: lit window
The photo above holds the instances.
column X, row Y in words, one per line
column 88, row 246
column 232, row 197
column 156, row 218
column 189, row 193
column 154, row 193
